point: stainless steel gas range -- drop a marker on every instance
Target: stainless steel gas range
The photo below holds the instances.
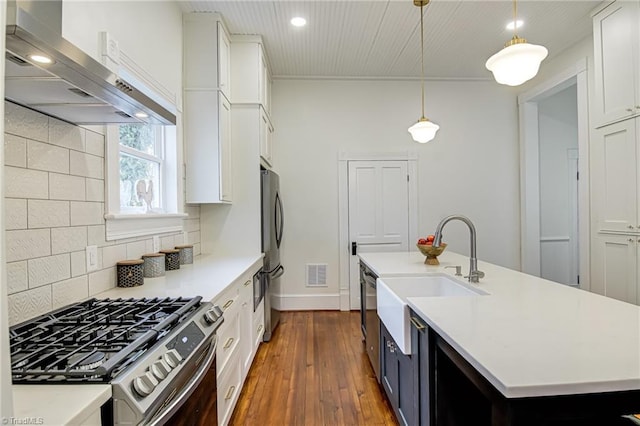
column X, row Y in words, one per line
column 154, row 352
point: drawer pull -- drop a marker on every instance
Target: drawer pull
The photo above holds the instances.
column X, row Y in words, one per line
column 417, row 323
column 229, row 343
column 248, row 283
column 230, row 393
column 260, row 328
column 229, row 303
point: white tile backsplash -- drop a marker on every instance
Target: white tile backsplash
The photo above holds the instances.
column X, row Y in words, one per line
column 46, row 270
column 95, row 143
column 28, row 244
column 95, row 189
column 102, row 280
column 87, row 213
column 25, row 122
column 47, row 213
column 66, row 135
column 25, row 183
column 15, row 151
column 55, row 189
column 68, row 239
column 113, row 254
column 17, row 276
column 78, row 263
column 66, row 187
column 28, row 304
column 16, row 213
column 69, row 291
column 44, row 156
column 86, row 165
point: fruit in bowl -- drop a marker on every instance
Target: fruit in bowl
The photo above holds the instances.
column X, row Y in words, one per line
column 425, row 245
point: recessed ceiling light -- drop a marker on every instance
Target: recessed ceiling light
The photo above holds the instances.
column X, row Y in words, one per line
column 518, row 24
column 298, row 21
column 141, row 114
column 41, row 59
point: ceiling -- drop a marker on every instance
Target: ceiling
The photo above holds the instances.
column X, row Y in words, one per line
column 381, row 39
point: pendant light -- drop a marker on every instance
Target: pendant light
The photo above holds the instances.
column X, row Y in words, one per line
column 424, row 130
column 519, row 61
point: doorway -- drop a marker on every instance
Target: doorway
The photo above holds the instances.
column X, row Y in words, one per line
column 378, row 212
column 554, row 179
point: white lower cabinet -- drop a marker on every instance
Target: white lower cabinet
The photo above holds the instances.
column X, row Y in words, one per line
column 615, row 263
column 237, row 344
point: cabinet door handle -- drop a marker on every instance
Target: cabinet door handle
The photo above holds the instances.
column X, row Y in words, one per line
column 260, row 328
column 630, row 240
column 417, row 324
column 229, row 343
column 226, row 305
column 629, row 110
column 230, row 393
column 247, row 283
column 630, row 226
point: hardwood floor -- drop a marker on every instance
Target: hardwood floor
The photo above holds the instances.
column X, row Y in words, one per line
column 314, row 371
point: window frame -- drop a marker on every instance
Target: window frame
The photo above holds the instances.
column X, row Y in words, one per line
column 130, row 223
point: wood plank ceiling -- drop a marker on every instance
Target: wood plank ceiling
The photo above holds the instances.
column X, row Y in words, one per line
column 381, row 39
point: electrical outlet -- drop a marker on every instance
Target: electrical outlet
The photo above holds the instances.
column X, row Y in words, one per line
column 91, row 253
column 156, row 244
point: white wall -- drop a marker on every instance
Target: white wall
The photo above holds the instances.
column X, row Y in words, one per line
column 470, row 168
column 558, row 133
column 149, row 32
column 234, row 229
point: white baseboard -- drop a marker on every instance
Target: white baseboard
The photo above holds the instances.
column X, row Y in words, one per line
column 307, row 302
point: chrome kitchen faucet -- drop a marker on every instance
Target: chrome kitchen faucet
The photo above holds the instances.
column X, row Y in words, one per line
column 474, row 275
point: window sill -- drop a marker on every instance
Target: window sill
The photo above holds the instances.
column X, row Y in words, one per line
column 119, row 226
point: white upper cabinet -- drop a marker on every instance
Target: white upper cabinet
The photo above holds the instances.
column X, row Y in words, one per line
column 615, row 174
column 616, row 31
column 265, row 138
column 206, row 53
column 207, row 110
column 249, row 66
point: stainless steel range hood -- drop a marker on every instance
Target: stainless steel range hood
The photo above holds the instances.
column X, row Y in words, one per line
column 74, row 87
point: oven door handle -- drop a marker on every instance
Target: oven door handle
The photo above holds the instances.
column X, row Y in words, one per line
column 163, row 415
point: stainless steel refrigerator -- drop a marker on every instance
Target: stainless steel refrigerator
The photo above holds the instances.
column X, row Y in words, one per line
column 272, row 228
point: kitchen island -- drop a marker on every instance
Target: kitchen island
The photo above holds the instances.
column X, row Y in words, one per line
column 536, row 351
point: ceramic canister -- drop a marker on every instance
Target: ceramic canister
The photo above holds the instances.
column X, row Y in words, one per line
column 130, row 273
column 171, row 259
column 186, row 254
column 154, row 265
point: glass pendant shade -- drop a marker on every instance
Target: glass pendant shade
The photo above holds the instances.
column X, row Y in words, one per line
column 423, row 131
column 516, row 63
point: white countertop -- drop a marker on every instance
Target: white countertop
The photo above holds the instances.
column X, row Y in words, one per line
column 208, row 276
column 529, row 337
column 58, row 404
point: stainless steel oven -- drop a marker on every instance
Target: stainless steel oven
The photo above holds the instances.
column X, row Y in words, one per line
column 157, row 354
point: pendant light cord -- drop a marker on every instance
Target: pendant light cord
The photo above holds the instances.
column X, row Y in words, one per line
column 515, row 17
column 422, row 55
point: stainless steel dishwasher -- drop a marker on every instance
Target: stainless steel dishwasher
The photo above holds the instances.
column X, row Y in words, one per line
column 371, row 322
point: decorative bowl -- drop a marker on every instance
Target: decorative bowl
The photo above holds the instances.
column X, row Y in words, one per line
column 431, row 252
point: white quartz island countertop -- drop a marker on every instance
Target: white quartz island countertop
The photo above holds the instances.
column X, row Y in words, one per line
column 528, row 337
column 208, row 276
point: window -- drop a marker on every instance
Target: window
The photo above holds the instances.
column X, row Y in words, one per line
column 144, row 191
column 141, row 168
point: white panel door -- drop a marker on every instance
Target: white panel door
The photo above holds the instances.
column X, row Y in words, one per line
column 378, row 212
column 614, row 160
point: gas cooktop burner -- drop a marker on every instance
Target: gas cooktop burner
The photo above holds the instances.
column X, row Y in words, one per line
column 93, row 340
column 83, row 362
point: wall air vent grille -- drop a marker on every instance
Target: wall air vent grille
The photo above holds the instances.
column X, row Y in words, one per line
column 316, row 275
column 123, row 114
column 17, row 60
